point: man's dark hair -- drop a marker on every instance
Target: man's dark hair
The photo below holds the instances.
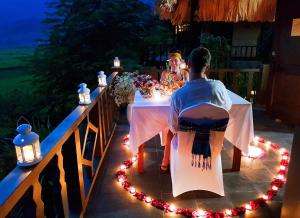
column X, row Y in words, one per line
column 199, row 59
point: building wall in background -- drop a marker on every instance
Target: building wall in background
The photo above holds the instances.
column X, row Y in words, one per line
column 284, row 82
column 245, row 34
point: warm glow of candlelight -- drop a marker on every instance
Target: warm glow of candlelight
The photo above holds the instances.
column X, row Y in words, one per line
column 132, row 190
column 280, row 176
column 172, row 208
column 134, row 158
column 201, row 213
column 248, row 207
column 268, row 144
column 121, row 180
column 282, row 150
column 156, row 95
column 285, row 157
column 228, row 212
column 282, row 167
column 148, row 199
column 123, row 167
column 254, row 152
column 28, row 153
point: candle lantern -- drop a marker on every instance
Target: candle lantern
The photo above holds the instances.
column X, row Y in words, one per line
column 84, row 94
column 102, row 79
column 27, row 146
column 117, row 62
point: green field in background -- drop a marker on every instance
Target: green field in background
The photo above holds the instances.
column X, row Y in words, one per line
column 15, row 69
column 15, row 57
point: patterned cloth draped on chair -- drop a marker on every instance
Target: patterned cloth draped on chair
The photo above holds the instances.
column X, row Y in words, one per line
column 195, row 152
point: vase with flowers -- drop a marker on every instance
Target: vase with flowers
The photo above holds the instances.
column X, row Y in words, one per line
column 123, row 88
column 145, row 84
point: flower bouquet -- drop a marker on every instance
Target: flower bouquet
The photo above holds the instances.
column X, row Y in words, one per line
column 145, row 84
column 124, row 89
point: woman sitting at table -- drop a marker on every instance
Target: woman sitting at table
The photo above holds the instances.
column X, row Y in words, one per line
column 176, row 72
column 197, row 90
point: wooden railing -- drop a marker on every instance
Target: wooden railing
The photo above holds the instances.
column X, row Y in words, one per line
column 247, row 83
column 243, row 52
column 62, row 183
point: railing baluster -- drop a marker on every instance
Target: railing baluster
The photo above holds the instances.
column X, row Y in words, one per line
column 37, row 198
column 111, row 109
column 106, row 116
column 103, row 120
column 108, row 112
column 79, row 166
column 100, row 138
column 62, row 181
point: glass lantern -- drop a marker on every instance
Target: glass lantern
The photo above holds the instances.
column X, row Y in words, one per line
column 117, row 62
column 102, row 79
column 84, row 94
column 27, row 146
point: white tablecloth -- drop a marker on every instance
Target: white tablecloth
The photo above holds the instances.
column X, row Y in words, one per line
column 150, row 116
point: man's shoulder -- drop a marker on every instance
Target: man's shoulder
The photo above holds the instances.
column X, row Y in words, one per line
column 216, row 84
column 179, row 94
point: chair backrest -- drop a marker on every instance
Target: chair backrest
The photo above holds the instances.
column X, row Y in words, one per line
column 204, row 114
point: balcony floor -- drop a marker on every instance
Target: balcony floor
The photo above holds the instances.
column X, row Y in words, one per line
column 109, row 200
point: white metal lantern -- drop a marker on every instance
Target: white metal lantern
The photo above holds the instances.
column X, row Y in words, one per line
column 84, row 94
column 102, row 78
column 117, row 62
column 27, row 145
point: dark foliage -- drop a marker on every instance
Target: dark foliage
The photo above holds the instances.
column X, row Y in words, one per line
column 84, row 36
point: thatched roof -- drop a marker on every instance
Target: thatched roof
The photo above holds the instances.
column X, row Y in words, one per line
column 179, row 11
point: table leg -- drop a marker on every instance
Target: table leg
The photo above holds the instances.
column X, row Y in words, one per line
column 141, row 159
column 237, row 156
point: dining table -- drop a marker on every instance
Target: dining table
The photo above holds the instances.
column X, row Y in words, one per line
column 149, row 117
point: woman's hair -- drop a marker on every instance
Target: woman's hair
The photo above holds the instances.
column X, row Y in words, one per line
column 175, row 53
column 199, row 59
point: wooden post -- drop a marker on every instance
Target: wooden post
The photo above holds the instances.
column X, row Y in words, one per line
column 141, row 159
column 291, row 200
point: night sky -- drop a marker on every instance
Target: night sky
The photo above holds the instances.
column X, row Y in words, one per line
column 20, row 21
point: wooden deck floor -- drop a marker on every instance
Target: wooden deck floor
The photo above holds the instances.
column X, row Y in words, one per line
column 110, row 200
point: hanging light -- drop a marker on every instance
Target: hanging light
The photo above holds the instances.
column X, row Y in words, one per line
column 84, row 94
column 102, row 79
column 27, row 146
column 117, row 62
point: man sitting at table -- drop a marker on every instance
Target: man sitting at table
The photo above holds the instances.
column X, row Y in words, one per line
column 198, row 90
